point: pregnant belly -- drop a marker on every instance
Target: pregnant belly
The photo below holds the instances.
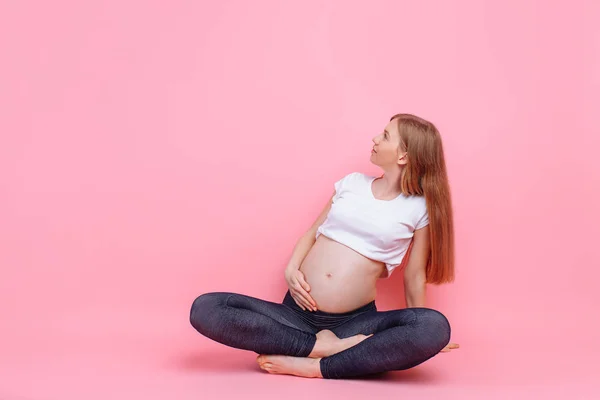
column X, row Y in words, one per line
column 340, row 279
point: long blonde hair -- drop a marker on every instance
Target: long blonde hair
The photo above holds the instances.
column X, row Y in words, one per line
column 425, row 174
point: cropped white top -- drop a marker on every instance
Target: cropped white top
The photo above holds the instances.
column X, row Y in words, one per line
column 378, row 229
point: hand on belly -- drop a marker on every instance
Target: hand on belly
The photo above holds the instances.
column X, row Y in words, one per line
column 339, row 293
column 340, row 279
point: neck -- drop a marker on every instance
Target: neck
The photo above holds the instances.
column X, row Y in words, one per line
column 390, row 182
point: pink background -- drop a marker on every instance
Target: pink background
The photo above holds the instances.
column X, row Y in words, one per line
column 154, row 151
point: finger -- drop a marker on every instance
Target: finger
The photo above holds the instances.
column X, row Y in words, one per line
column 309, row 307
column 303, row 283
column 296, row 289
column 306, row 302
column 310, row 302
column 302, row 302
column 299, row 303
column 306, row 296
column 454, row 345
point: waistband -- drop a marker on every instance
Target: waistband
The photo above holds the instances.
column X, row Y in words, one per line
column 289, row 301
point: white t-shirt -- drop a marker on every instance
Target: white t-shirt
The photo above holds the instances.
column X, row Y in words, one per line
column 378, row 229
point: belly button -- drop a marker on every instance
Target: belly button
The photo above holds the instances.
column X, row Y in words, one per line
column 329, row 275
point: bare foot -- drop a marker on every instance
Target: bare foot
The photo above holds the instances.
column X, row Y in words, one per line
column 298, row 366
column 328, row 343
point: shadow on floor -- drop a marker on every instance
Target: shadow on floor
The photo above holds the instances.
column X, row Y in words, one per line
column 228, row 360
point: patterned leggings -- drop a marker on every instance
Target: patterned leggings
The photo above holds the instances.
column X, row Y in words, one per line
column 402, row 338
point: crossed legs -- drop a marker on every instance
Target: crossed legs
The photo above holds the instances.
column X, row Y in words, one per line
column 371, row 342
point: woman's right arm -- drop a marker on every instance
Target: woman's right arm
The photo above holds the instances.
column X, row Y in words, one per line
column 298, row 287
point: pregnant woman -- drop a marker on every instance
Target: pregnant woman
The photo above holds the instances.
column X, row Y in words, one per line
column 328, row 325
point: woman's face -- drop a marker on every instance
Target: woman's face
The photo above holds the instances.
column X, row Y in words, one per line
column 386, row 147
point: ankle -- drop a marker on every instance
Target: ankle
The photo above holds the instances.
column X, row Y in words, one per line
column 324, row 345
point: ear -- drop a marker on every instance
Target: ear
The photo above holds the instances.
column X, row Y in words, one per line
column 402, row 158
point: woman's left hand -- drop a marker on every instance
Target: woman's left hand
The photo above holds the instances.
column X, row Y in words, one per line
column 449, row 347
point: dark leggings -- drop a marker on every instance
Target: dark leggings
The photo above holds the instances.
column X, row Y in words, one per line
column 402, row 338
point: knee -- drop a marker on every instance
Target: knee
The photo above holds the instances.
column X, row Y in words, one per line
column 435, row 328
column 202, row 307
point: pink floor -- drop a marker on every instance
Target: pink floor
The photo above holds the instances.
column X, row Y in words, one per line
column 125, row 353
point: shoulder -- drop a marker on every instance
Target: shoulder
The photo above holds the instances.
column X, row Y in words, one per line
column 353, row 174
column 350, row 181
column 420, row 204
column 420, row 200
column 420, row 213
column 353, row 177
